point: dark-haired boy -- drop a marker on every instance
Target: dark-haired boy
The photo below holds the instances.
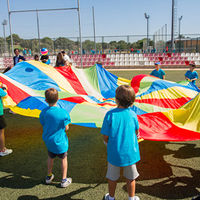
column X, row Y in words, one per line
column 120, row 129
column 191, row 75
column 45, row 59
column 158, row 72
column 55, row 122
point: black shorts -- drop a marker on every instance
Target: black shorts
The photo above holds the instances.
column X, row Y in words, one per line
column 53, row 155
column 2, row 122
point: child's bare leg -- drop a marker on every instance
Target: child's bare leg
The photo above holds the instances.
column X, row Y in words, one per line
column 130, row 187
column 64, row 167
column 111, row 187
column 2, row 140
column 49, row 165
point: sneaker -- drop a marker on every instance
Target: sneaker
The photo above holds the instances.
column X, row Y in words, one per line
column 11, row 112
column 49, row 179
column 6, row 152
column 66, row 182
column 136, row 198
column 106, row 197
column 196, row 198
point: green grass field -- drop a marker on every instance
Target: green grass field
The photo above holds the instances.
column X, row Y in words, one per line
column 172, row 75
column 168, row 170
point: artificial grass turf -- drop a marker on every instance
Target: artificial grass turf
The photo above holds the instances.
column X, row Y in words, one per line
column 167, row 170
column 171, row 75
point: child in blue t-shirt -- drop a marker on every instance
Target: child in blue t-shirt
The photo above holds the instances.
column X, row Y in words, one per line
column 191, row 75
column 120, row 130
column 55, row 122
column 158, row 72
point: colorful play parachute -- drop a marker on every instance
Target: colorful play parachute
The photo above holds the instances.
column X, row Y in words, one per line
column 166, row 110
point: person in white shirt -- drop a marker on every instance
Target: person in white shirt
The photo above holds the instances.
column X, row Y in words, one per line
column 66, row 57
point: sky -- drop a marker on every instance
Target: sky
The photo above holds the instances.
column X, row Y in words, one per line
column 112, row 17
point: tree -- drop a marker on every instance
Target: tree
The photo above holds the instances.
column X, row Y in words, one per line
column 16, row 39
column 47, row 42
column 113, row 45
column 64, row 44
column 88, row 45
column 122, row 45
column 1, row 45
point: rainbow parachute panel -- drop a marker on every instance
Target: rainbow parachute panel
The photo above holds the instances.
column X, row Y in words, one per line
column 167, row 111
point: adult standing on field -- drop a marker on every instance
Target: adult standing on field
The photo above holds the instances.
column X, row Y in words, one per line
column 158, row 72
column 17, row 58
column 60, row 61
column 66, row 58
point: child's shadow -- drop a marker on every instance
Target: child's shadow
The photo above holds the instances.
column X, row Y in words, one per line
column 174, row 187
column 187, row 151
column 18, row 181
column 152, row 164
column 65, row 196
column 28, row 163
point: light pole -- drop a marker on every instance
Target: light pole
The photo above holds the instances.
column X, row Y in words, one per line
column 173, row 24
column 94, row 29
column 11, row 36
column 179, row 31
column 80, row 36
column 147, row 17
column 4, row 23
column 179, row 26
column 38, row 28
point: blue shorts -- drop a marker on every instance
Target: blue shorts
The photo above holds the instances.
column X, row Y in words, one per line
column 2, row 122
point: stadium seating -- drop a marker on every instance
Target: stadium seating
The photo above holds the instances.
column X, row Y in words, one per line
column 123, row 59
column 170, row 59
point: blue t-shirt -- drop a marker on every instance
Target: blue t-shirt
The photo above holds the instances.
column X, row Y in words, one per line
column 54, row 121
column 2, row 94
column 160, row 73
column 48, row 62
column 191, row 75
column 120, row 125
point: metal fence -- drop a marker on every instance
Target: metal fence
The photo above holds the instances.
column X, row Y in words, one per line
column 106, row 44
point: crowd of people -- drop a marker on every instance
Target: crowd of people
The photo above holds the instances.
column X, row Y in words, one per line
column 120, row 130
column 62, row 58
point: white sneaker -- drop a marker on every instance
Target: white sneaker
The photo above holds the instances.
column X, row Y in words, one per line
column 11, row 112
column 136, row 198
column 106, row 197
column 6, row 152
column 49, row 179
column 66, row 182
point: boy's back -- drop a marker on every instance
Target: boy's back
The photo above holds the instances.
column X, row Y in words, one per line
column 54, row 121
column 120, row 124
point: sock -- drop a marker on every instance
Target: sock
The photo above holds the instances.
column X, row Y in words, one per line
column 111, row 198
column 49, row 175
column 131, row 198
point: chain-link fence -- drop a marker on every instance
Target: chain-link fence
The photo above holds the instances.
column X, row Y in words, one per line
column 157, row 43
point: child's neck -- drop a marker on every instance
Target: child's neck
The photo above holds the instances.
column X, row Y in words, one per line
column 52, row 104
column 120, row 106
